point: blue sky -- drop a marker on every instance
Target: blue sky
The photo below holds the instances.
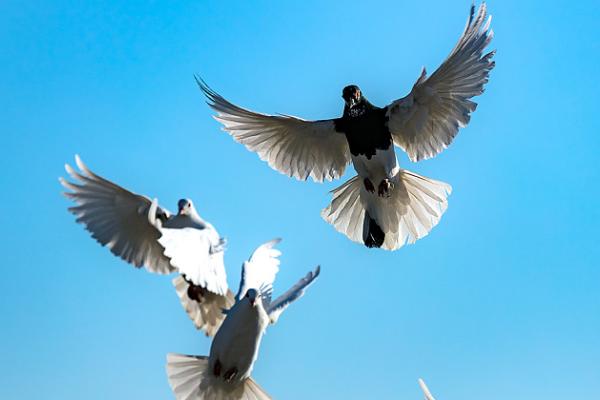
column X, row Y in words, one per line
column 501, row 301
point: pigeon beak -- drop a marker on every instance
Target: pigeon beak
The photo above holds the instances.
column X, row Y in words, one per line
column 253, row 302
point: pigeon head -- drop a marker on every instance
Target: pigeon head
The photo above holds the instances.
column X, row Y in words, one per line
column 185, row 207
column 352, row 96
column 252, row 295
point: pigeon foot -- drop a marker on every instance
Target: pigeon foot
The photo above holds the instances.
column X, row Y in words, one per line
column 385, row 188
column 195, row 292
column 230, row 374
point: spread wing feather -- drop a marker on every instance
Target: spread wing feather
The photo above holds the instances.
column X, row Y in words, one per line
column 276, row 307
column 426, row 121
column 260, row 270
column 290, row 145
column 116, row 218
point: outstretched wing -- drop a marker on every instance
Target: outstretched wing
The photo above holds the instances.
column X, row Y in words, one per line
column 260, row 270
column 275, row 308
column 117, row 218
column 290, row 145
column 426, row 121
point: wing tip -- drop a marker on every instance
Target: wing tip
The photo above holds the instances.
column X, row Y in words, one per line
column 69, row 169
column 80, row 164
column 316, row 272
column 425, row 389
column 272, row 243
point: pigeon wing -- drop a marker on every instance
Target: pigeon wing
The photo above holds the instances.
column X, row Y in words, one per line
column 275, row 308
column 425, row 389
column 260, row 270
column 426, row 121
column 117, row 218
column 290, row 145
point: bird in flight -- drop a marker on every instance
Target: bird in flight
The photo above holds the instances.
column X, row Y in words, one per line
column 142, row 233
column 383, row 206
column 225, row 373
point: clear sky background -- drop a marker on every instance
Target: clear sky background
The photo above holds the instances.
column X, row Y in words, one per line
column 500, row 302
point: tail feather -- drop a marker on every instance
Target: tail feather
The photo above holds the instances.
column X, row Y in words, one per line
column 191, row 379
column 346, row 201
column 415, row 206
column 207, row 315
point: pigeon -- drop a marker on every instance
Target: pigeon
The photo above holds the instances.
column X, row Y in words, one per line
column 226, row 373
column 384, row 206
column 136, row 229
column 425, row 389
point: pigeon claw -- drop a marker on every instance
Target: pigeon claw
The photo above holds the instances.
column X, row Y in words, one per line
column 230, row 374
column 196, row 292
column 369, row 185
column 385, row 188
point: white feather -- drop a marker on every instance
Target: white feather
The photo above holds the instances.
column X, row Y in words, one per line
column 190, row 251
column 207, row 315
column 415, row 206
column 425, row 389
column 116, row 218
column 426, row 121
column 191, row 379
column 261, row 268
column 290, row 145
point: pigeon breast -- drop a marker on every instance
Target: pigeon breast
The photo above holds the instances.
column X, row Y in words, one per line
column 366, row 131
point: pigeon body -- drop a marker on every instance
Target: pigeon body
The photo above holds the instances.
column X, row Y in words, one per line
column 142, row 233
column 384, row 206
column 235, row 346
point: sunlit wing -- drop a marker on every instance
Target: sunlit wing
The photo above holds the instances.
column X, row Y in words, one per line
column 260, row 270
column 116, row 218
column 290, row 145
column 426, row 121
column 276, row 307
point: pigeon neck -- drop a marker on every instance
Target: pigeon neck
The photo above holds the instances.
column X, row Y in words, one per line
column 358, row 109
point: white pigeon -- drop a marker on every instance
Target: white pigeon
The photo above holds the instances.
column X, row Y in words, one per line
column 383, row 206
column 225, row 374
column 140, row 232
column 425, row 389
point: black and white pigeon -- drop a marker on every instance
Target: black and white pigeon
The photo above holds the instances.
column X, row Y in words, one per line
column 384, row 206
column 140, row 232
column 225, row 374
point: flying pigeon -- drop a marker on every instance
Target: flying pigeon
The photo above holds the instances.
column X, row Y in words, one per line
column 140, row 232
column 384, row 206
column 225, row 374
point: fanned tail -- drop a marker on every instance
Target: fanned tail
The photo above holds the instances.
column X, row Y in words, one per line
column 191, row 379
column 415, row 205
column 207, row 312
